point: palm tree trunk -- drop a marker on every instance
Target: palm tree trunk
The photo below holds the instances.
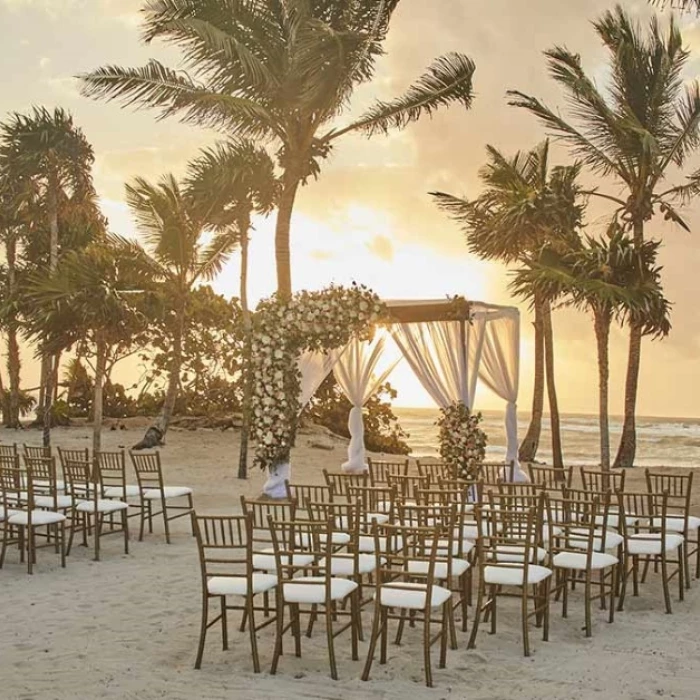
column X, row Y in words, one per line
column 290, row 185
column 627, row 449
column 13, row 359
column 97, row 402
column 531, row 441
column 53, row 263
column 244, row 225
column 601, row 324
column 557, row 458
column 174, row 375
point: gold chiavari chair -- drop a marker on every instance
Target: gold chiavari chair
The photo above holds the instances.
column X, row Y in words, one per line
column 36, row 451
column 648, row 538
column 225, row 546
column 380, row 469
column 407, row 487
column 405, row 583
column 305, row 493
column 679, row 488
column 435, row 471
column 311, row 584
column 550, row 478
column 149, row 475
column 339, row 481
column 8, row 450
column 600, row 480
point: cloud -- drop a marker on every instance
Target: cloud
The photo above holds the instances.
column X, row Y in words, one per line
column 382, row 247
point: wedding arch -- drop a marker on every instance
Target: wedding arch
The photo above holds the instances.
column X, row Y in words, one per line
column 450, row 344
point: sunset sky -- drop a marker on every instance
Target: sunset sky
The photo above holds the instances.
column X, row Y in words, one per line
column 369, row 218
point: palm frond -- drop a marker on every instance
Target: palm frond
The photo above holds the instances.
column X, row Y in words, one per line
column 447, row 81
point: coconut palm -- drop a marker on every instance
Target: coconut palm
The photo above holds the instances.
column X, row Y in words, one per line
column 280, row 71
column 172, row 226
column 646, row 122
column 234, row 181
column 49, row 150
column 523, row 205
column 612, row 279
column 90, row 295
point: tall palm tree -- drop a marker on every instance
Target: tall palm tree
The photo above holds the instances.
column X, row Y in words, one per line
column 172, row 227
column 523, row 205
column 612, row 279
column 647, row 121
column 90, row 295
column 234, row 181
column 280, row 71
column 48, row 149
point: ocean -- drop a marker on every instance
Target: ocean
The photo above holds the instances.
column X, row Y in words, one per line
column 660, row 441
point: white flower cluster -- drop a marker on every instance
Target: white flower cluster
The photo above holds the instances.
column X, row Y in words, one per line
column 282, row 331
column 462, row 441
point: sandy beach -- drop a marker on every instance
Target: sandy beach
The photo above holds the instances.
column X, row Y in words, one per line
column 127, row 626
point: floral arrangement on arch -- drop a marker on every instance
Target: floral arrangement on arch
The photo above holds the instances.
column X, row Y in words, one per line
column 282, row 330
column 462, row 441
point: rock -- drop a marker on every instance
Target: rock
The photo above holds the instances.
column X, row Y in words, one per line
column 320, row 445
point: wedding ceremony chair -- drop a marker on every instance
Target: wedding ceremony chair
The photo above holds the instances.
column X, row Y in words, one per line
column 380, row 469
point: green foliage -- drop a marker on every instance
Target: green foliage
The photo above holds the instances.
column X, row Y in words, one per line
column 329, row 407
column 26, row 405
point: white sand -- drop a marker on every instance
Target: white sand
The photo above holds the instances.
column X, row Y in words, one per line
column 127, row 626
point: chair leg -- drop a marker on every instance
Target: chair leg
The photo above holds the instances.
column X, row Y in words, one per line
column 477, row 615
column 355, row 623
column 524, row 621
column 280, row 632
column 465, row 600
column 385, row 636
column 202, row 632
column 295, row 619
column 374, row 634
column 164, row 506
column 686, row 560
column 63, row 544
column 98, row 532
column 624, row 573
column 331, row 645
column 190, row 504
column 250, row 610
column 400, row 626
column 150, row 517
column 545, row 613
column 426, row 648
column 224, row 623
column 635, row 575
column 446, row 609
column 613, row 589
column 681, row 587
column 587, row 603
column 125, row 525
column 31, row 543
column 664, row 579
column 143, row 511
column 493, row 598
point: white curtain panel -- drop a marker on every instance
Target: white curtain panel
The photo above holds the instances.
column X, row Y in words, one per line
column 357, row 374
column 440, row 358
column 499, row 370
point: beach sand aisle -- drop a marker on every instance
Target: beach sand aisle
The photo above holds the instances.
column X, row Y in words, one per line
column 127, row 626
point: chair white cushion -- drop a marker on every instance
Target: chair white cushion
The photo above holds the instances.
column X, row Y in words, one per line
column 412, row 595
column 4, row 515
column 577, row 561
column 168, row 492
column 467, row 546
column 419, row 566
column 516, row 553
column 470, row 531
column 515, row 575
column 41, row 483
column 612, row 540
column 676, row 522
column 238, row 585
column 556, row 531
column 366, row 543
column 614, row 518
column 343, row 564
column 119, row 492
column 102, row 506
column 339, row 538
column 265, row 559
column 62, row 501
column 650, row 543
column 39, row 517
column 314, row 590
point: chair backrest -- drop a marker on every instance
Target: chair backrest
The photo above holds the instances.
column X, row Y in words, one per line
column 260, row 511
column 494, row 472
column 578, row 521
column 435, row 470
column 82, row 455
column 509, row 536
column 550, row 478
column 642, row 513
column 149, row 474
column 679, row 490
column 43, row 471
column 599, row 480
column 10, row 461
column 111, row 467
column 15, row 492
column 380, row 469
column 340, row 481
column 80, row 479
column 303, row 493
column 407, row 487
column 8, row 450
column 374, row 499
column 36, row 451
column 224, row 545
column 344, row 517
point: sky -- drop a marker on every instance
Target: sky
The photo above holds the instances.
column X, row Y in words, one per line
column 368, row 217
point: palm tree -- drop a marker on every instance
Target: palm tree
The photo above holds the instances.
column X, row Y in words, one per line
column 613, row 280
column 279, row 71
column 90, row 295
column 645, row 122
column 172, row 226
column 48, row 149
column 233, row 181
column 523, row 206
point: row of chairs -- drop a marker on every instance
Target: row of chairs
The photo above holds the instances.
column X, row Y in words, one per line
column 421, row 556
column 89, row 495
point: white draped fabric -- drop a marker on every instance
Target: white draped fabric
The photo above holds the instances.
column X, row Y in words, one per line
column 499, row 370
column 441, row 354
column 357, row 374
column 314, row 368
